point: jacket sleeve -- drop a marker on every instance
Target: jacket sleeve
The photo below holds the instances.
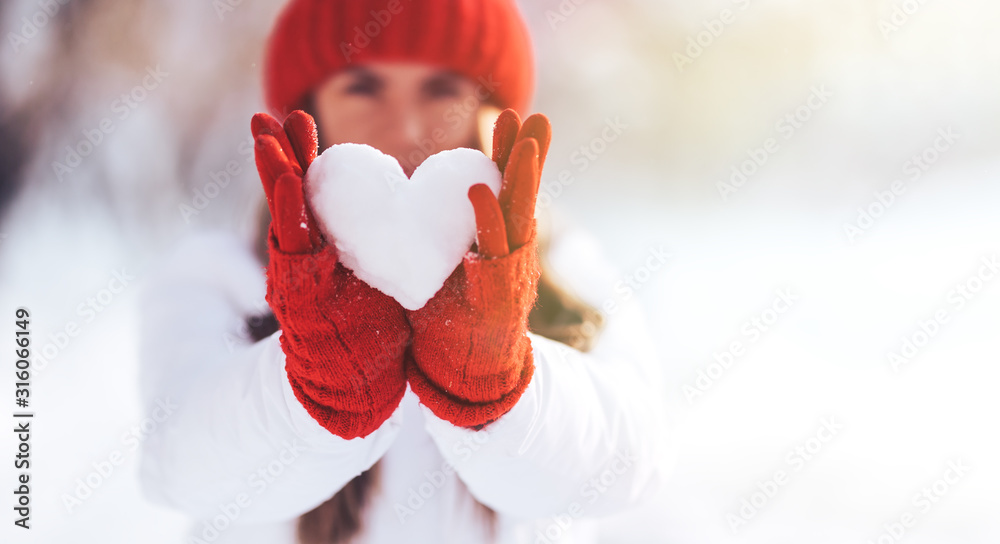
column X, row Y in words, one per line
column 588, row 437
column 229, row 430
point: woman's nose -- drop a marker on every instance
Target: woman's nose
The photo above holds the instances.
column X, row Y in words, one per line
column 406, row 139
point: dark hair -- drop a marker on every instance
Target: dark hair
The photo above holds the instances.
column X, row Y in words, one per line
column 558, row 314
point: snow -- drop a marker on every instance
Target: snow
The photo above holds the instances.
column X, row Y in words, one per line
column 403, row 236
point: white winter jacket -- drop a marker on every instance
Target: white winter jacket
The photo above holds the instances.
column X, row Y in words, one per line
column 239, row 454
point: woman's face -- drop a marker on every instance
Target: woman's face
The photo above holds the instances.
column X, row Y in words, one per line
column 409, row 111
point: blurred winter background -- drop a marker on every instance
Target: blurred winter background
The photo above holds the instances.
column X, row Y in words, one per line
column 826, row 106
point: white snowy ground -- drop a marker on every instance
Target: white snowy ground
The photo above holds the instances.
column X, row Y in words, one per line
column 823, row 359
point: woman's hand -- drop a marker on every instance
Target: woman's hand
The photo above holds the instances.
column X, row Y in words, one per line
column 471, row 358
column 343, row 340
column 505, row 224
column 283, row 155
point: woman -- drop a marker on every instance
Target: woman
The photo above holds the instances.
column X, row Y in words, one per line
column 492, row 414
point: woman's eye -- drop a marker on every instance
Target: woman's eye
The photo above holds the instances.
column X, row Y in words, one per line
column 364, row 87
column 442, row 88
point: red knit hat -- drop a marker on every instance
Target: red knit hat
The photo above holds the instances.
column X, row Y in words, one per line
column 484, row 40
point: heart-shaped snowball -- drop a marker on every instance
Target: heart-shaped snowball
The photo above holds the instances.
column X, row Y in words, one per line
column 403, row 236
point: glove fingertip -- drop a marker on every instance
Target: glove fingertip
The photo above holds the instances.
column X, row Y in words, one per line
column 519, row 205
column 537, row 126
column 504, row 134
column 262, row 123
column 300, row 127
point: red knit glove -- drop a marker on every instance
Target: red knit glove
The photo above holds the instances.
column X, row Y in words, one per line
column 471, row 358
column 343, row 340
